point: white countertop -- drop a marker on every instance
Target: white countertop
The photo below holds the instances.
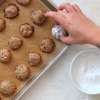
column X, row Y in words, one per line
column 55, row 84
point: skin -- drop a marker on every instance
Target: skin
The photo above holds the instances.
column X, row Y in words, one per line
column 80, row 28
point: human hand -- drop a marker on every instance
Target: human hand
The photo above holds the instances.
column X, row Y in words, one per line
column 80, row 28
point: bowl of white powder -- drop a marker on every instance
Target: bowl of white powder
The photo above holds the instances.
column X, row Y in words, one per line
column 85, row 71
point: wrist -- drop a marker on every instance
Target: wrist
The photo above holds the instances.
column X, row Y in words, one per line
column 95, row 38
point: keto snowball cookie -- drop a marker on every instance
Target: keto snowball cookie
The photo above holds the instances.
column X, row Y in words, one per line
column 7, row 87
column 15, row 43
column 5, row 55
column 26, row 30
column 38, row 17
column 47, row 45
column 58, row 31
column 2, row 24
column 22, row 72
column 11, row 11
column 23, row 2
column 34, row 58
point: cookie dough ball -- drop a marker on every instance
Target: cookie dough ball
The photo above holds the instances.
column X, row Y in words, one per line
column 38, row 17
column 47, row 45
column 22, row 72
column 11, row 11
column 23, row 2
column 7, row 87
column 58, row 31
column 26, row 30
column 5, row 56
column 2, row 1
column 15, row 43
column 34, row 59
column 2, row 24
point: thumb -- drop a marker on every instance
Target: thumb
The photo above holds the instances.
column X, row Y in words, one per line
column 68, row 40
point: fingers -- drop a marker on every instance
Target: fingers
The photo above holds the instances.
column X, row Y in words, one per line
column 68, row 7
column 54, row 15
column 59, row 17
column 68, row 40
column 63, row 14
column 76, row 7
column 63, row 6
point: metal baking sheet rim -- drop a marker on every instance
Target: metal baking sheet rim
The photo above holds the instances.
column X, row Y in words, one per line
column 18, row 97
column 25, row 89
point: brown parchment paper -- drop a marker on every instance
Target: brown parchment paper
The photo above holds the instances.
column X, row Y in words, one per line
column 29, row 45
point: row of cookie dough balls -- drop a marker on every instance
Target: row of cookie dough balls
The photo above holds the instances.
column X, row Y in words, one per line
column 7, row 87
column 22, row 71
column 12, row 11
column 47, row 45
column 26, row 30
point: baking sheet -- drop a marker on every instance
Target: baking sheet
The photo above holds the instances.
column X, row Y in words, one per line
column 31, row 44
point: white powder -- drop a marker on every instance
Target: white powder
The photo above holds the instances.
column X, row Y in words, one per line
column 89, row 79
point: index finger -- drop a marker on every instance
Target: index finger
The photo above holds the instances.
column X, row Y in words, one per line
column 63, row 6
column 56, row 16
